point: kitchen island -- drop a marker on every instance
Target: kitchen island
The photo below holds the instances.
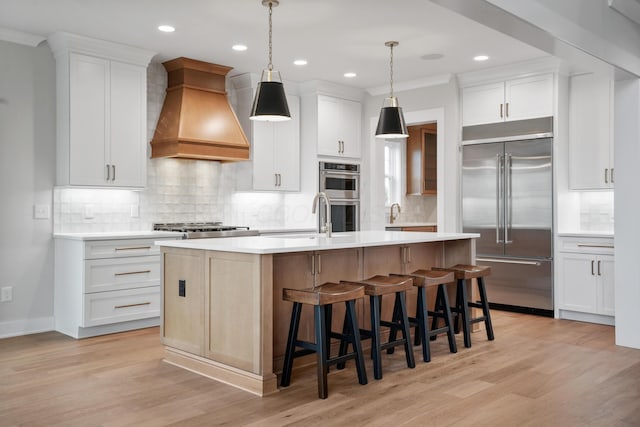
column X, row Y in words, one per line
column 222, row 312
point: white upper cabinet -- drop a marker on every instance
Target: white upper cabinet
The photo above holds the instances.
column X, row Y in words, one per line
column 276, row 152
column 101, row 112
column 339, row 124
column 590, row 132
column 275, row 146
column 513, row 99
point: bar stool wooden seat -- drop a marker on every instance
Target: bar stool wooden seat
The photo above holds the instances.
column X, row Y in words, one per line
column 376, row 287
column 464, row 273
column 424, row 279
column 322, row 297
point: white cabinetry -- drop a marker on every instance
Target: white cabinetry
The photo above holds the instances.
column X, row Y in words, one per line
column 339, row 124
column 275, row 146
column 590, row 132
column 585, row 283
column 514, row 99
column 101, row 112
column 105, row 286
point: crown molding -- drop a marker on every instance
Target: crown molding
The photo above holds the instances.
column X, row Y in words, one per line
column 20, row 37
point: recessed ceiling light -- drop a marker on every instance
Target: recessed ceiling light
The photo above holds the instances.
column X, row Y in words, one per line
column 166, row 28
column 300, row 62
column 350, row 75
column 239, row 47
column 480, row 58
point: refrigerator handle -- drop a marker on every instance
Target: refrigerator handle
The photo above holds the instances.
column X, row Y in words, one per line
column 498, row 196
column 507, row 198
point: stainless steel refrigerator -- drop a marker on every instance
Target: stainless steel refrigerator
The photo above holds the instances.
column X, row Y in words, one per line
column 507, row 198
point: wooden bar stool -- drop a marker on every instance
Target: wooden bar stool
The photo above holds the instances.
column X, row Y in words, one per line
column 424, row 279
column 322, row 297
column 464, row 273
column 376, row 287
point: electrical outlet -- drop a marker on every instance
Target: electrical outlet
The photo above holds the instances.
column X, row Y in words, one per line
column 87, row 211
column 135, row 211
column 6, row 294
column 41, row 211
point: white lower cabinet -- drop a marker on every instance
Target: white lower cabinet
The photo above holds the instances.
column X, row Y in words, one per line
column 586, row 280
column 106, row 286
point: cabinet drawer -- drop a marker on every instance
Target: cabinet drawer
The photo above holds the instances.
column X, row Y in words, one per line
column 586, row 245
column 120, row 248
column 121, row 306
column 112, row 274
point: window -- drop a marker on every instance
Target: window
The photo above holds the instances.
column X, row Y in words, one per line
column 392, row 171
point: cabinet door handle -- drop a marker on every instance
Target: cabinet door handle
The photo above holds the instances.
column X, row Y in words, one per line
column 585, row 245
column 279, row 180
column 132, row 248
column 612, row 175
column 408, row 254
column 592, row 273
column 108, row 173
column 132, row 305
column 606, row 176
column 275, row 176
column 313, row 265
column 319, row 264
column 113, row 172
column 132, row 272
column 506, row 109
column 599, row 268
column 501, row 116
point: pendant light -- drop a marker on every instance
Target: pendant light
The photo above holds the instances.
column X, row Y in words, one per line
column 270, row 102
column 391, row 122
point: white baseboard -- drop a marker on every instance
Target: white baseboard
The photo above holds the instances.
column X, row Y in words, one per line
column 587, row 317
column 16, row 328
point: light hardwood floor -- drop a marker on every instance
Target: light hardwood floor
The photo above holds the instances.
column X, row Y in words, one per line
column 538, row 372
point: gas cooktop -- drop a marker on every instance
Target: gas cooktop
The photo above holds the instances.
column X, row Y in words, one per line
column 203, row 230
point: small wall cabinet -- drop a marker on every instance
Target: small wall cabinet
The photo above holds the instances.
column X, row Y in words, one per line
column 586, row 283
column 422, row 160
column 591, row 132
column 106, row 286
column 339, row 124
column 514, row 99
column 101, row 112
column 275, row 146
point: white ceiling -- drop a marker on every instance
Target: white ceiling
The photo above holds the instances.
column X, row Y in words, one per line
column 335, row 36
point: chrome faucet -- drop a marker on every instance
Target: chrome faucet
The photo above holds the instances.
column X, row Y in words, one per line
column 326, row 228
column 393, row 217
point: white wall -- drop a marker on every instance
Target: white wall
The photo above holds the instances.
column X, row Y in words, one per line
column 432, row 100
column 27, row 173
column 627, row 206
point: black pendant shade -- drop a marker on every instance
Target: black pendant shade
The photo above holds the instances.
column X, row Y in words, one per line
column 391, row 123
column 270, row 103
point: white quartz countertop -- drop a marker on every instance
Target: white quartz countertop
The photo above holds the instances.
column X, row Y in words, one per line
column 115, row 235
column 587, row 234
column 412, row 224
column 313, row 241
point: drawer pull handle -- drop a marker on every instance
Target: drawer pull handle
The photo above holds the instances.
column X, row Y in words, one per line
column 132, row 305
column 132, row 272
column 133, row 248
column 584, row 245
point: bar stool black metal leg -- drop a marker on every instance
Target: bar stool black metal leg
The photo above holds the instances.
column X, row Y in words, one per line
column 393, row 332
column 344, row 345
column 485, row 308
column 464, row 311
column 375, row 336
column 321, row 351
column 328, row 311
column 354, row 335
column 422, row 331
column 456, row 309
column 437, row 308
column 406, row 332
column 291, row 344
column 443, row 297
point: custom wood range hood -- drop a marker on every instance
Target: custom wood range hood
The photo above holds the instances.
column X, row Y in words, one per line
column 197, row 121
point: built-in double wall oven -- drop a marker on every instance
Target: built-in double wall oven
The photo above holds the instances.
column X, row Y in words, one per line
column 341, row 183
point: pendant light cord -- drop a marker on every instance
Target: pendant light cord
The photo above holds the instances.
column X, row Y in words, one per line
column 270, row 35
column 391, row 73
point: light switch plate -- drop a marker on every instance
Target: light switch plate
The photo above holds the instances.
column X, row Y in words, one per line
column 41, row 211
column 87, row 211
column 135, row 211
